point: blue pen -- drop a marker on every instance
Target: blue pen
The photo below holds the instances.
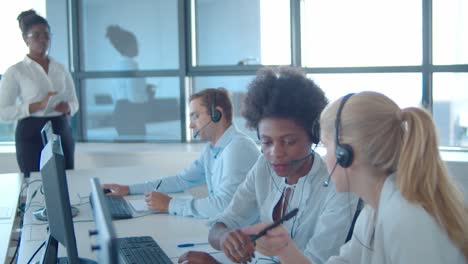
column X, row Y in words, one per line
column 191, row 245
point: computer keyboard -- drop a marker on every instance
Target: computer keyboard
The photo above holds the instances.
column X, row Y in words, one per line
column 118, row 207
column 141, row 250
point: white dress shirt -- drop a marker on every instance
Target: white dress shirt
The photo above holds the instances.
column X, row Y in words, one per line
column 222, row 167
column 321, row 225
column 26, row 82
column 402, row 233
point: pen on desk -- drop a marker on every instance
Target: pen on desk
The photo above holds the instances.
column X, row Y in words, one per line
column 191, row 244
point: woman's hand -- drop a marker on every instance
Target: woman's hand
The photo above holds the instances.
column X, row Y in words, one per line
column 274, row 242
column 37, row 106
column 237, row 246
column 196, row 257
column 62, row 107
column 116, row 189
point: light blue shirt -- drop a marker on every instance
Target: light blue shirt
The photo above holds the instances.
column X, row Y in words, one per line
column 222, row 167
column 324, row 217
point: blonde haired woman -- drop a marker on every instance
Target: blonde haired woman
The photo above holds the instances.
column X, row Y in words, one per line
column 390, row 158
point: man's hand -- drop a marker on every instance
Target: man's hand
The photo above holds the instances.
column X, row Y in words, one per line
column 158, row 201
column 196, row 257
column 117, row 190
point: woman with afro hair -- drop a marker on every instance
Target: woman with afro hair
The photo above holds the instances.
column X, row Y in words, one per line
column 284, row 107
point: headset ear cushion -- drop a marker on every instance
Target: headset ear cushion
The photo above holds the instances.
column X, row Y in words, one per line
column 344, row 155
column 315, row 136
column 216, row 115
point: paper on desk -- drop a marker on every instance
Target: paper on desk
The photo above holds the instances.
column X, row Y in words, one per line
column 139, row 205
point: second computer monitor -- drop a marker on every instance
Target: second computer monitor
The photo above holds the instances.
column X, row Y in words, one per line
column 106, row 238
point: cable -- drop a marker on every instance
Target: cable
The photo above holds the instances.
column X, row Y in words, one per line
column 16, row 250
column 37, row 250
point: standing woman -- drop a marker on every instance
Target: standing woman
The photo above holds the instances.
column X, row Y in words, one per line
column 36, row 90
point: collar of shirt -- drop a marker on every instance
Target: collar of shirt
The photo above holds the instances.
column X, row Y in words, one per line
column 227, row 136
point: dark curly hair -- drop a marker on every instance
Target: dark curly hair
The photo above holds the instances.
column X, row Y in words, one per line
column 285, row 92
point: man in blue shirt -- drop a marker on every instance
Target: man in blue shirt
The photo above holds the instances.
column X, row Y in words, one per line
column 222, row 166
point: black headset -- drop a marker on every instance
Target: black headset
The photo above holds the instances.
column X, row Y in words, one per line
column 215, row 114
column 343, row 152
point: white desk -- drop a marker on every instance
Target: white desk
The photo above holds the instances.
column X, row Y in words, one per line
column 166, row 229
column 10, row 188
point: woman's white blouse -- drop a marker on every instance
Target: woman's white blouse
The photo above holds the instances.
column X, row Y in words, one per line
column 26, row 82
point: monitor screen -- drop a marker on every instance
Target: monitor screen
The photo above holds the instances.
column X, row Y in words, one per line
column 106, row 238
column 47, row 133
column 57, row 200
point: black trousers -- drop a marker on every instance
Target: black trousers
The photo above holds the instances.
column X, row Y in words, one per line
column 29, row 142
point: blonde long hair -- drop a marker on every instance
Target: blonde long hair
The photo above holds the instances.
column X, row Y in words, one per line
column 403, row 141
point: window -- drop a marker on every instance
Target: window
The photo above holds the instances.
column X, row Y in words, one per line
column 449, row 31
column 13, row 48
column 114, row 110
column 114, row 40
column 340, row 33
column 241, row 32
column 450, row 108
column 394, row 85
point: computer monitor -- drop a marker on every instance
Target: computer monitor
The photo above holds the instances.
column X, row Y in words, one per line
column 47, row 135
column 54, row 182
column 47, row 132
column 106, row 239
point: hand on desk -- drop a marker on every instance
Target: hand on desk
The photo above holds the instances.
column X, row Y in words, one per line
column 197, row 257
column 274, row 243
column 158, row 201
column 117, row 190
column 237, row 246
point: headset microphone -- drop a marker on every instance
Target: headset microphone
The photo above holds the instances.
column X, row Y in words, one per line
column 199, row 130
column 327, row 181
column 295, row 163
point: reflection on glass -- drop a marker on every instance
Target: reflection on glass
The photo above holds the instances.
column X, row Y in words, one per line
column 242, row 32
column 112, row 39
column 110, row 116
column 339, row 33
column 450, row 28
column 237, row 86
column 450, row 108
column 393, row 85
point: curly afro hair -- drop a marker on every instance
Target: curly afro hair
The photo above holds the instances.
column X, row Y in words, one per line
column 285, row 92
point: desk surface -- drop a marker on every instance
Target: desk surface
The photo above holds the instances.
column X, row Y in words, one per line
column 10, row 189
column 167, row 230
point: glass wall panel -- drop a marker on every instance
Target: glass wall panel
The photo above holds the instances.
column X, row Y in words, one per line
column 242, row 32
column 112, row 113
column 237, row 86
column 341, row 33
column 450, row 27
column 450, row 108
column 404, row 88
column 129, row 35
column 7, row 129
